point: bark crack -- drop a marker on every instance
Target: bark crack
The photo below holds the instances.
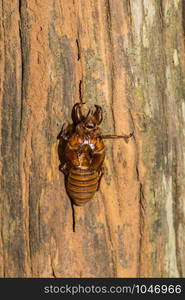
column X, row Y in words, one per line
column 183, row 16
column 141, row 205
column 22, row 61
column 23, row 58
column 52, row 268
column 78, row 49
column 130, row 14
column 80, row 91
column 80, row 71
column 112, row 63
column 2, row 239
column 2, row 203
column 113, row 257
column 142, row 219
column 22, row 92
column 81, row 75
column 175, row 191
column 29, row 229
column 80, row 96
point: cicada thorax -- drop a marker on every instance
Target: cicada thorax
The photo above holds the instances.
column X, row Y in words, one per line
column 82, row 180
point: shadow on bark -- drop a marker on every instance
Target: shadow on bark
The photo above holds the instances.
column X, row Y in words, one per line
column 183, row 16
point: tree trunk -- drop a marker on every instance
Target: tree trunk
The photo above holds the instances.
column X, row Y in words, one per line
column 128, row 57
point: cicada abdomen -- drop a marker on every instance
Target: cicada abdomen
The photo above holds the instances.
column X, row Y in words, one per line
column 81, row 185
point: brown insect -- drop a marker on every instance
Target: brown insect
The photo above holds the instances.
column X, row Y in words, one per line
column 83, row 153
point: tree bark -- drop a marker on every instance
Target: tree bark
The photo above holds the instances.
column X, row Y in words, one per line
column 128, row 57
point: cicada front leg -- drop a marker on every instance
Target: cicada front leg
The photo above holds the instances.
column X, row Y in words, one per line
column 112, row 136
column 65, row 131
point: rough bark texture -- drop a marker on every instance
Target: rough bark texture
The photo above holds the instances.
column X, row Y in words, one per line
column 128, row 57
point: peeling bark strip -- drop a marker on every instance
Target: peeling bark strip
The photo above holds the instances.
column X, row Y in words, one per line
column 128, row 57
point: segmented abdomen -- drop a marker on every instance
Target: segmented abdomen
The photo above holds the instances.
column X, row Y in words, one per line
column 82, row 185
